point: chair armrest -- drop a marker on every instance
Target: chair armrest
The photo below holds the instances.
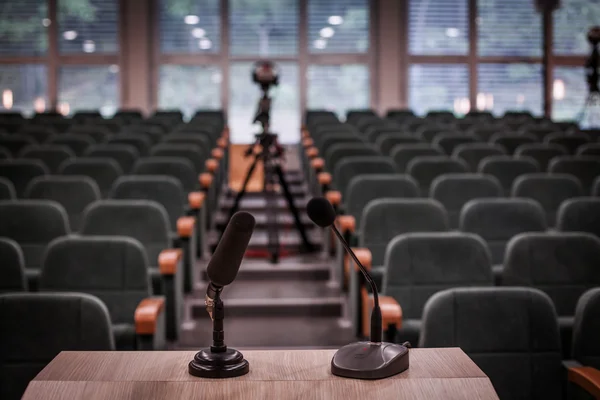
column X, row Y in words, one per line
column 391, row 313
column 312, row 152
column 334, row 197
column 211, row 165
column 222, row 142
column 168, row 260
column 305, row 134
column 147, row 314
column 217, row 153
column 364, row 256
column 347, row 223
column 587, row 378
column 196, row 199
column 205, row 179
column 185, row 226
column 225, row 132
column 308, row 142
column 324, row 178
column 317, row 164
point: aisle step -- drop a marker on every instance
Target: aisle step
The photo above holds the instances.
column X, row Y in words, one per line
column 251, row 204
column 284, row 218
column 289, row 239
column 295, row 268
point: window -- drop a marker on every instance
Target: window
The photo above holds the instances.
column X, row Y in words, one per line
column 86, row 87
column 89, row 26
column 190, row 27
column 23, row 88
column 263, row 28
column 510, row 87
column 509, row 28
column 23, row 30
column 438, row 27
column 243, row 100
column 571, row 23
column 439, row 87
column 569, row 92
column 338, row 88
column 189, row 88
column 338, row 26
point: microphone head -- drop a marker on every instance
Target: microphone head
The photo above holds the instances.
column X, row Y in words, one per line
column 321, row 212
column 227, row 258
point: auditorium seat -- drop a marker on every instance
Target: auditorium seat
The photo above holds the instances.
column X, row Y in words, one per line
column 36, row 327
column 33, row 224
column 405, row 153
column 98, row 133
column 168, row 192
column 539, row 131
column 7, row 189
column 148, row 131
column 584, row 168
column 338, row 152
column 387, row 141
column 21, row 172
column 181, row 169
column 140, row 141
column 327, row 139
column 417, row 265
column 125, row 155
column 147, row 222
column 77, row 143
column 453, row 191
column 449, row 141
column 51, row 155
column 486, row 132
column 425, row 169
column 586, row 329
column 12, row 267
column 543, row 153
column 563, row 265
column 498, row 220
column 506, row 169
column 511, row 142
column 114, row 269
column 389, row 127
column 510, row 333
column 596, row 187
column 104, row 171
column 548, row 190
column 351, row 167
column 579, row 215
column 4, row 153
column 589, row 149
column 15, row 143
column 473, row 153
column 569, row 142
column 195, row 154
column 73, row 193
column 428, row 132
column 39, row 133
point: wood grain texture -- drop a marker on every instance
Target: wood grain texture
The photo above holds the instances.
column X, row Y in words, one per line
column 279, row 374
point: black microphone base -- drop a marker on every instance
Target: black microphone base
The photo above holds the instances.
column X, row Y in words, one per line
column 228, row 364
column 367, row 360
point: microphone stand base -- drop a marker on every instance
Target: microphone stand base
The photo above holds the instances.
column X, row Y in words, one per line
column 368, row 360
column 227, row 364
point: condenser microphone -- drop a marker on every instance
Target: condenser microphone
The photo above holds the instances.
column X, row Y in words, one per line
column 227, row 258
column 361, row 360
column 219, row 361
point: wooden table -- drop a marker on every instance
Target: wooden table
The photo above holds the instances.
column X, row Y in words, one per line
column 279, row 374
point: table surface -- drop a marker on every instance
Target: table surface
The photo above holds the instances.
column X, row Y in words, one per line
column 278, row 374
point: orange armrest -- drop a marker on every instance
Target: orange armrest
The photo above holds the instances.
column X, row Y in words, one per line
column 205, row 179
column 312, row 152
column 364, row 256
column 146, row 315
column 347, row 223
column 305, row 134
column 222, row 142
column 168, row 260
column 391, row 312
column 334, row 197
column 324, row 178
column 587, row 378
column 196, row 199
column 217, row 153
column 307, row 142
column 185, row 226
column 317, row 163
column 211, row 165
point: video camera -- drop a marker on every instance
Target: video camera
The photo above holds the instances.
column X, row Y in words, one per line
column 266, row 74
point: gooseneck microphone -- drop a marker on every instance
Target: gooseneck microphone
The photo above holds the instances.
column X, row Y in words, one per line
column 219, row 361
column 362, row 360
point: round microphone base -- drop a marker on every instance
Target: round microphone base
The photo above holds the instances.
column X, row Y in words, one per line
column 227, row 364
column 368, row 360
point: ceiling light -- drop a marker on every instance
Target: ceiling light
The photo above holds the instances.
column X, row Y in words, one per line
column 7, row 99
column 452, row 32
column 327, row 32
column 204, row 44
column 89, row 46
column 335, row 20
column 70, row 35
column 320, row 44
column 198, row 33
column 558, row 89
column 191, row 19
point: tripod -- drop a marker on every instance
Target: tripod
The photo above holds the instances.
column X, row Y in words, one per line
column 591, row 107
column 271, row 154
column 592, row 104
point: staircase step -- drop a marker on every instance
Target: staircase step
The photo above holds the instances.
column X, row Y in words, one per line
column 296, row 191
column 296, row 269
column 251, row 204
column 289, row 239
column 284, row 218
column 274, row 299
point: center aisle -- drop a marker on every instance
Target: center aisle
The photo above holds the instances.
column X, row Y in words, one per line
column 273, row 305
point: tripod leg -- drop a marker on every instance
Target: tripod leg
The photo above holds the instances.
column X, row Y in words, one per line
column 272, row 231
column 242, row 192
column 293, row 209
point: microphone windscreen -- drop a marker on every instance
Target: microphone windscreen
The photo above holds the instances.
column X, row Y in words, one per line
column 321, row 212
column 227, row 258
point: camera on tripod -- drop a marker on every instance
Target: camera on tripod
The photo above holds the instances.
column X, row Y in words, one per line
column 593, row 61
column 265, row 74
